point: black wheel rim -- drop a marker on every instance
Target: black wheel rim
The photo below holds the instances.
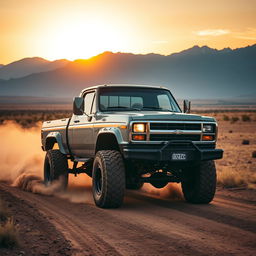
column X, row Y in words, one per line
column 98, row 180
column 47, row 173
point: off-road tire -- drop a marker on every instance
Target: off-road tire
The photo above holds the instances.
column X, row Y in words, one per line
column 199, row 183
column 56, row 168
column 108, row 179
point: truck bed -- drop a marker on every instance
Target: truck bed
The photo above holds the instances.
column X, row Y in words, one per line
column 56, row 128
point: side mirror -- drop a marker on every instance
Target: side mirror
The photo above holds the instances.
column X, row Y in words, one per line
column 186, row 106
column 78, row 106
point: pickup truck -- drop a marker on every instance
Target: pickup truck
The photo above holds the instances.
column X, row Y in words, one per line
column 123, row 136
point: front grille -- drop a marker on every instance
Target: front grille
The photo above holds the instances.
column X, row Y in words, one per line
column 174, row 126
column 167, row 137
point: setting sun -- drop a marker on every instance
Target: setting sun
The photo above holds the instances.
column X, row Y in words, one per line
column 83, row 28
column 82, row 38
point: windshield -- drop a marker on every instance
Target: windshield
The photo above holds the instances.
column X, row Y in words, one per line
column 138, row 99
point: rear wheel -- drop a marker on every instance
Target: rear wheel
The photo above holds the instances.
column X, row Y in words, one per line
column 56, row 168
column 199, row 183
column 108, row 179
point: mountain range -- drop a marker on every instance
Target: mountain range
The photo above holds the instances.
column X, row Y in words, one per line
column 29, row 66
column 198, row 72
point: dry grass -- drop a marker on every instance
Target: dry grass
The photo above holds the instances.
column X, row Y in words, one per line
column 229, row 178
column 8, row 229
column 238, row 167
column 29, row 118
column 8, row 234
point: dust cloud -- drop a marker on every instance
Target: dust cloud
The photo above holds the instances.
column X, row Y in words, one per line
column 20, row 152
column 170, row 191
column 22, row 162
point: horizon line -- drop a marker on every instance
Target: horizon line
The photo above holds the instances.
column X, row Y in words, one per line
column 120, row 52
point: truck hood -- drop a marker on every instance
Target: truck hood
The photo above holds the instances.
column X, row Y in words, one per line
column 162, row 116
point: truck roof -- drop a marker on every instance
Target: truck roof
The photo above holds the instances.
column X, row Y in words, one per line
column 124, row 85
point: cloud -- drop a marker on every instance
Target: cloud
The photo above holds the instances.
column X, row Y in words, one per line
column 246, row 37
column 212, row 32
column 248, row 34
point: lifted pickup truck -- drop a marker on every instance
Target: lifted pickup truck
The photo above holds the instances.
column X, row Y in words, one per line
column 125, row 135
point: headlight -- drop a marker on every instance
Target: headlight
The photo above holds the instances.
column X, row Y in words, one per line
column 208, row 128
column 139, row 127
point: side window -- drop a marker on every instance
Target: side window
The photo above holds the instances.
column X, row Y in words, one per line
column 88, row 99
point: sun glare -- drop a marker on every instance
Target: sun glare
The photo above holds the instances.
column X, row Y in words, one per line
column 84, row 39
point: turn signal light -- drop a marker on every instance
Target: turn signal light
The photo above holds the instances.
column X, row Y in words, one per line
column 139, row 137
column 208, row 137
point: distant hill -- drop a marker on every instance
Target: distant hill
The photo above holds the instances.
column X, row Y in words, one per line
column 29, row 66
column 198, row 72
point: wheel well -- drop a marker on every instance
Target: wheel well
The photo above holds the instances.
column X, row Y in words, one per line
column 49, row 144
column 107, row 141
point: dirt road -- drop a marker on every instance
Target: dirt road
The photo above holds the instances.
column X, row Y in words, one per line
column 147, row 225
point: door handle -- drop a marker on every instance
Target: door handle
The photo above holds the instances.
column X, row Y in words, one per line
column 76, row 121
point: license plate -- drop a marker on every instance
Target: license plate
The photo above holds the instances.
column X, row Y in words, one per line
column 179, row 156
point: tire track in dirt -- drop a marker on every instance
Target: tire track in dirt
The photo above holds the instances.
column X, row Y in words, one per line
column 219, row 212
column 147, row 225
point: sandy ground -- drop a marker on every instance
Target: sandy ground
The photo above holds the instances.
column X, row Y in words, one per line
column 37, row 236
column 237, row 167
column 146, row 224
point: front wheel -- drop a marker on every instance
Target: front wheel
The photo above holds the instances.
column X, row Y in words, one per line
column 199, row 183
column 108, row 179
column 56, row 169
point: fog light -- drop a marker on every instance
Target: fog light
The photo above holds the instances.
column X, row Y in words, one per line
column 139, row 137
column 139, row 127
column 208, row 137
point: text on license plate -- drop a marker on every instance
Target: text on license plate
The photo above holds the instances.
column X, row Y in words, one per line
column 179, row 156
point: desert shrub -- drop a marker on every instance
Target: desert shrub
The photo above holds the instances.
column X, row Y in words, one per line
column 8, row 234
column 225, row 118
column 246, row 118
column 228, row 178
column 245, row 142
column 254, row 154
column 234, row 119
column 251, row 186
column 252, row 181
column 30, row 118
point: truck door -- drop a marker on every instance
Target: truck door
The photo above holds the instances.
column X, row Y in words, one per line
column 81, row 130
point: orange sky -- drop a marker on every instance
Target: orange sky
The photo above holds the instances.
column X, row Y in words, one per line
column 81, row 28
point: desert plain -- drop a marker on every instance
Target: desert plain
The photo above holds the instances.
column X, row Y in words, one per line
column 151, row 221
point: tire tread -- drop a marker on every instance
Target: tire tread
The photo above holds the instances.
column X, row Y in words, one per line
column 115, row 179
column 59, row 164
column 205, row 184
